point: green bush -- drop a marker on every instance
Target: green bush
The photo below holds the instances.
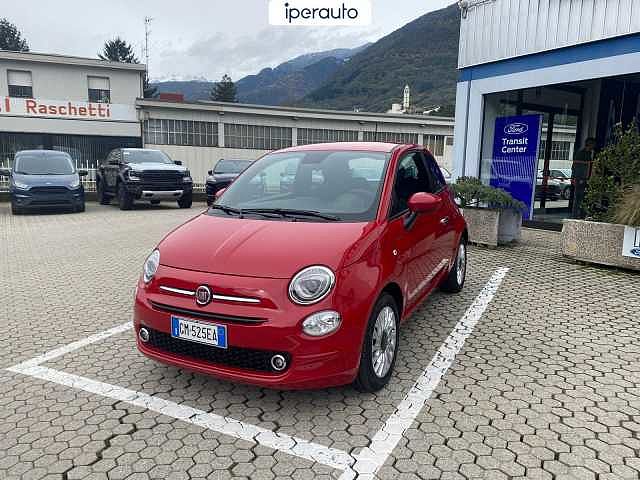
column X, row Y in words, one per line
column 616, row 170
column 471, row 192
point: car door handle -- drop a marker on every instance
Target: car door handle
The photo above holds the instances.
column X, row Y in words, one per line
column 444, row 220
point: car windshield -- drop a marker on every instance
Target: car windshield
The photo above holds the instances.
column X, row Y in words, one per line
column 43, row 163
column 145, row 156
column 343, row 185
column 231, row 166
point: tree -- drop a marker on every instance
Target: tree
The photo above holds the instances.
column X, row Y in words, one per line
column 117, row 50
column 224, row 91
column 148, row 90
column 11, row 38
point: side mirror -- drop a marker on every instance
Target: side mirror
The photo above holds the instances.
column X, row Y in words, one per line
column 423, row 202
column 177, row 162
column 209, row 172
column 220, row 192
column 82, row 172
column 5, row 172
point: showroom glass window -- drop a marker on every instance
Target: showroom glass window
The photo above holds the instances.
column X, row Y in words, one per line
column 20, row 83
column 99, row 90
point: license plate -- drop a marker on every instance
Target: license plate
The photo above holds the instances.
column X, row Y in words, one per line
column 194, row 331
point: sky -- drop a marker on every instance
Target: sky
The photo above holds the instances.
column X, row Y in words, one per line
column 196, row 39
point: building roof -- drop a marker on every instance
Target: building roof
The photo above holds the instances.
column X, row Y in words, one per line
column 35, row 57
column 297, row 112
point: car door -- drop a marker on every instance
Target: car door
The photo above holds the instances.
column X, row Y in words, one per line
column 412, row 237
column 445, row 234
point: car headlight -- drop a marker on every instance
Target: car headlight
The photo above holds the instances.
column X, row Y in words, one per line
column 311, row 285
column 20, row 185
column 321, row 323
column 75, row 183
column 187, row 177
column 151, row 266
column 133, row 176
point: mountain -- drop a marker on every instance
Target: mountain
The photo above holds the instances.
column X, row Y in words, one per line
column 286, row 83
column 422, row 54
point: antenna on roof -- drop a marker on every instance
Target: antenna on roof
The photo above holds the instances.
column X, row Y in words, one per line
column 147, row 32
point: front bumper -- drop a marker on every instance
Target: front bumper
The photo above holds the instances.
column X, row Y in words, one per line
column 145, row 191
column 62, row 199
column 255, row 332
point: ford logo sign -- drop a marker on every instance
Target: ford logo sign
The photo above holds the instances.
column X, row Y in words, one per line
column 635, row 251
column 516, row 128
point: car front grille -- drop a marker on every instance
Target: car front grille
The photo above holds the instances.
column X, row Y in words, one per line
column 243, row 358
column 49, row 190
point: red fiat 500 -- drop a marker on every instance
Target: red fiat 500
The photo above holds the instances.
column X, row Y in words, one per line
column 301, row 272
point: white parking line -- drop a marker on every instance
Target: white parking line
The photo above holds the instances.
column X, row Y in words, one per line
column 372, row 458
column 364, row 465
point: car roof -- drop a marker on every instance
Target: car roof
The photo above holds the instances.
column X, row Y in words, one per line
column 140, row 149
column 42, row 150
column 344, row 146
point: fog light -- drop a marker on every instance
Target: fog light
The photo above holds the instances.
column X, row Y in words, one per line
column 278, row 363
column 321, row 323
column 144, row 335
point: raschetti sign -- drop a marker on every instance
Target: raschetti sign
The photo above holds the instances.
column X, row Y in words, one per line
column 515, row 157
column 320, row 12
column 37, row 107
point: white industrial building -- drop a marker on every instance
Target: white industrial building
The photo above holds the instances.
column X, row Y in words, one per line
column 88, row 107
column 573, row 63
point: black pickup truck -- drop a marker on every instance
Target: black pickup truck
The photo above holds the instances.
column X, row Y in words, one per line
column 130, row 174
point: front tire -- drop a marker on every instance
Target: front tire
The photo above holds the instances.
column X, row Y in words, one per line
column 15, row 210
column 80, row 208
column 380, row 346
column 101, row 193
column 456, row 278
column 125, row 201
column 185, row 201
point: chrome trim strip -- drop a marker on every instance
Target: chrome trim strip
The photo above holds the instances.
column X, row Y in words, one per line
column 189, row 293
column 234, row 299
column 226, row 298
column 160, row 194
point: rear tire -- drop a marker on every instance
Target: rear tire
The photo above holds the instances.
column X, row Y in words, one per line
column 101, row 193
column 455, row 280
column 185, row 201
column 380, row 346
column 125, row 201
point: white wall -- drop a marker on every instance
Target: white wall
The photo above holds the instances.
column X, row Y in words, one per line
column 498, row 29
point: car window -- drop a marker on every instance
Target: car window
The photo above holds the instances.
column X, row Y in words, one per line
column 346, row 184
column 231, row 166
column 435, row 174
column 411, row 177
column 43, row 163
column 145, row 156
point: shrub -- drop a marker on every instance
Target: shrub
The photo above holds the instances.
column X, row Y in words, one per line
column 471, row 192
column 611, row 194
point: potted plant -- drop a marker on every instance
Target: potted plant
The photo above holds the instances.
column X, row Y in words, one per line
column 612, row 207
column 493, row 216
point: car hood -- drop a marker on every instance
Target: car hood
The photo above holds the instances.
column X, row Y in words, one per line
column 223, row 177
column 262, row 248
column 141, row 167
column 46, row 180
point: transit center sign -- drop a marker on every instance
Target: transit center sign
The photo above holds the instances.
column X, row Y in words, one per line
column 515, row 157
column 67, row 109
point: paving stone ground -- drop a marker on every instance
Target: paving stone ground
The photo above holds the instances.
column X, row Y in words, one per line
column 546, row 387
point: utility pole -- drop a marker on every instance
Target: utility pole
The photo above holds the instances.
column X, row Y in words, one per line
column 147, row 32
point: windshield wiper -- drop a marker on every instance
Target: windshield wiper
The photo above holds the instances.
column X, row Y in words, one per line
column 241, row 212
column 291, row 212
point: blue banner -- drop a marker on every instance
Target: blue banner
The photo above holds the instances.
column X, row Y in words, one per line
column 515, row 157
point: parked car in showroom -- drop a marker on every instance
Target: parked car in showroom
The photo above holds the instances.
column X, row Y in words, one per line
column 222, row 175
column 552, row 192
column 130, row 174
column 563, row 177
column 44, row 179
column 304, row 287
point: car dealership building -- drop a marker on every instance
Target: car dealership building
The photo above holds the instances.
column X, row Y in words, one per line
column 536, row 80
column 88, row 107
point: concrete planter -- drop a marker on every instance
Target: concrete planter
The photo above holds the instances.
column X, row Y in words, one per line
column 493, row 227
column 596, row 242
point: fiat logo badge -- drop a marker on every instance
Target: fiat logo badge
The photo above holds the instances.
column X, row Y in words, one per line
column 203, row 295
